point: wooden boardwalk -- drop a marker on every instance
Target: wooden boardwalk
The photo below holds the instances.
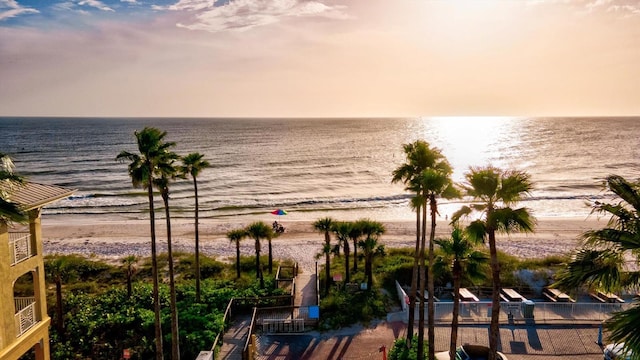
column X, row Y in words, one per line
column 235, row 338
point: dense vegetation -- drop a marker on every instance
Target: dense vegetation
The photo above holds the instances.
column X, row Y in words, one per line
column 345, row 305
column 100, row 319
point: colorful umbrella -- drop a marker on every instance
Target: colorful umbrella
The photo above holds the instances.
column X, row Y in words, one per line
column 279, row 212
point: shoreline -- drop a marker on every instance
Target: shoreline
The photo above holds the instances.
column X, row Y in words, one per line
column 112, row 240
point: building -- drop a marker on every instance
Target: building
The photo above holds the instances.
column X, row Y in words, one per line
column 24, row 322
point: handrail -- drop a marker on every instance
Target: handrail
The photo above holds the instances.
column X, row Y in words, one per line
column 245, row 351
column 317, row 286
column 225, row 318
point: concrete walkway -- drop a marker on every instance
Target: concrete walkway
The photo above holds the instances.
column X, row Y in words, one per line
column 517, row 342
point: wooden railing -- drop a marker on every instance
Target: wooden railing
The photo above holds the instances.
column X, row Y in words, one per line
column 250, row 346
column 25, row 316
column 20, row 246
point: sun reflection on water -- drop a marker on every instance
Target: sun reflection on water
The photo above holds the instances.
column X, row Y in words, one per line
column 474, row 141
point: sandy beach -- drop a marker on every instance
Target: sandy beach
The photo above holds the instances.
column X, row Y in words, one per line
column 114, row 239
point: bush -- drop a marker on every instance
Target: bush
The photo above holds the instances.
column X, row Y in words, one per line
column 399, row 351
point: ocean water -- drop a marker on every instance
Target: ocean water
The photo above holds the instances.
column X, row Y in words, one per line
column 315, row 167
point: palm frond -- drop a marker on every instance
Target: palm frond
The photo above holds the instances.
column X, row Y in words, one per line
column 625, row 190
column 514, row 185
column 613, row 237
column 477, row 231
column 594, row 268
column 511, row 220
column 623, row 328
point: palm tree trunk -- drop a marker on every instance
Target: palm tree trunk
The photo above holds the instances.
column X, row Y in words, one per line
column 414, row 282
column 175, row 335
column 195, row 188
column 258, row 267
column 423, row 240
column 494, row 329
column 129, row 287
column 346, row 262
column 431, row 285
column 355, row 255
column 59, row 315
column 327, row 263
column 238, row 259
column 368, row 270
column 457, row 272
column 154, row 271
column 270, row 258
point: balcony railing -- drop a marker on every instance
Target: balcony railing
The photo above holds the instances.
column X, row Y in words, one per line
column 25, row 314
column 20, row 246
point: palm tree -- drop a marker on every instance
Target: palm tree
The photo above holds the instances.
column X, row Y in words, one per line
column 59, row 270
column 417, row 159
column 193, row 164
column 354, row 235
column 465, row 263
column 495, row 190
column 426, row 173
column 9, row 211
column 236, row 236
column 324, row 226
column 370, row 246
column 342, row 229
column 130, row 270
column 603, row 261
column 142, row 169
column 435, row 182
column 166, row 173
column 258, row 231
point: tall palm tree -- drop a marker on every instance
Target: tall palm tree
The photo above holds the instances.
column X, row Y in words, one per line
column 604, row 260
column 435, row 182
column 9, row 211
column 342, row 229
column 426, row 173
column 417, row 159
column 354, row 234
column 258, row 231
column 142, row 169
column 193, row 164
column 130, row 270
column 236, row 236
column 59, row 270
column 324, row 226
column 166, row 173
column 465, row 263
column 494, row 191
column 370, row 246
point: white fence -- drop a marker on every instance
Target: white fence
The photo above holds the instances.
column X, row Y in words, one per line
column 541, row 312
column 20, row 246
column 25, row 316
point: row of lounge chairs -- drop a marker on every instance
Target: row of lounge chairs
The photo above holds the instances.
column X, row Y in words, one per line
column 553, row 295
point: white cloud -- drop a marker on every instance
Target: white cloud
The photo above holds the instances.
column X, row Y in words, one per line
column 128, row 1
column 95, row 4
column 625, row 7
column 79, row 6
column 240, row 15
column 11, row 8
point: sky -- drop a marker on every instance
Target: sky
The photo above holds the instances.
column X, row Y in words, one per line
column 319, row 58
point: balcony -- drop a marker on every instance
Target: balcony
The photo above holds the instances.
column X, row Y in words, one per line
column 20, row 246
column 25, row 314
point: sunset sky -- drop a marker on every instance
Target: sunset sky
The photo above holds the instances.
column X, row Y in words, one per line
column 319, row 58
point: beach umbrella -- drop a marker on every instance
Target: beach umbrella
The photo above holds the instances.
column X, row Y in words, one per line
column 278, row 228
column 279, row 212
